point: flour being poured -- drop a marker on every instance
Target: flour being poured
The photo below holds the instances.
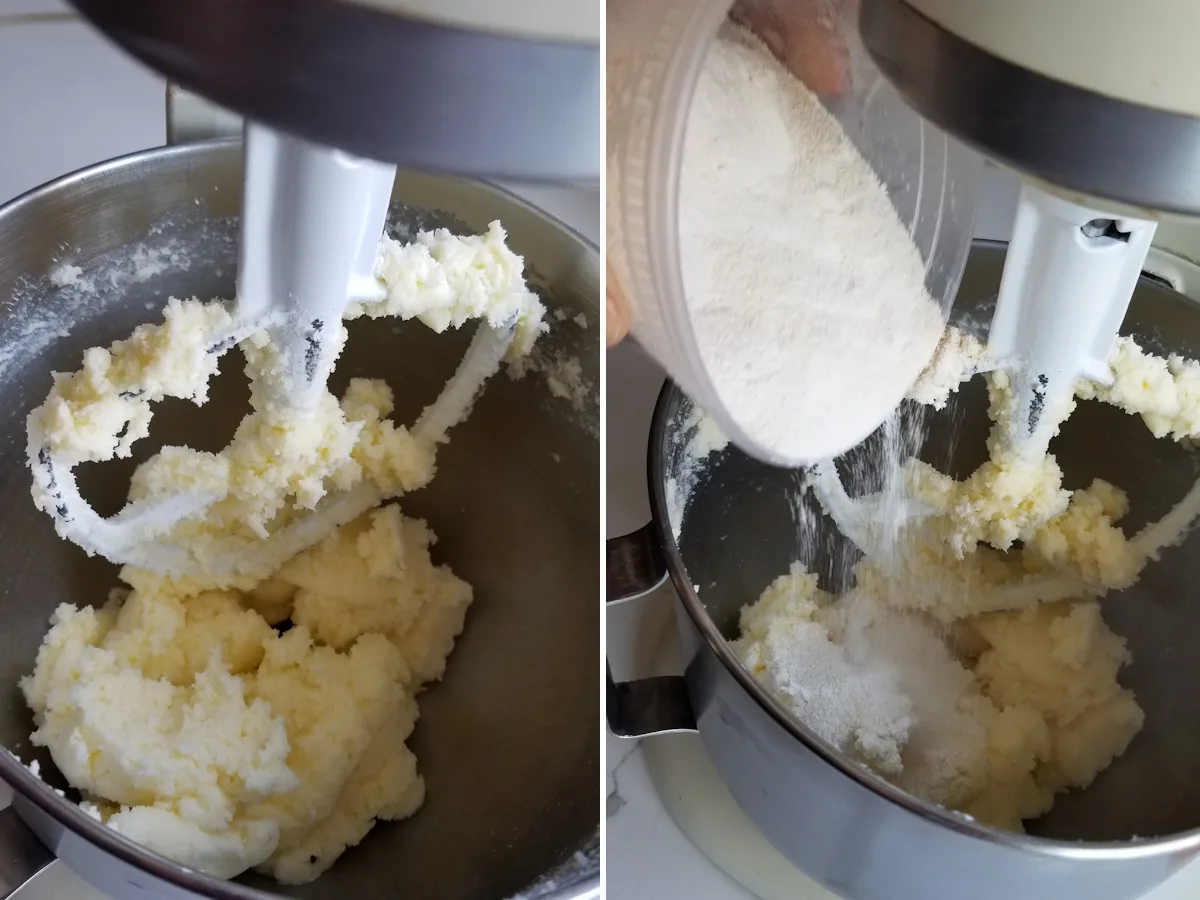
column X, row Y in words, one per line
column 806, row 294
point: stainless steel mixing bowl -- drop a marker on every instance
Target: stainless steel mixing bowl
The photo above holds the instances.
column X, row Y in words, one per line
column 835, row 820
column 509, row 741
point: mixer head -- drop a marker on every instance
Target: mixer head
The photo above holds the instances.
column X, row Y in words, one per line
column 1097, row 99
column 505, row 90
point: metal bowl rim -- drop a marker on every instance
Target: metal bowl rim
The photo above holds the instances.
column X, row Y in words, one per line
column 31, row 787
column 214, row 146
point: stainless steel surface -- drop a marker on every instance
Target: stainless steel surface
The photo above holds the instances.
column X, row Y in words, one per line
column 509, row 742
column 634, row 564
column 1073, row 138
column 57, row 882
column 648, row 706
column 379, row 85
column 852, row 831
column 634, row 567
column 22, row 855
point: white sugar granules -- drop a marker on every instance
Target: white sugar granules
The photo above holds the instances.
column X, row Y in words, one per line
column 806, row 294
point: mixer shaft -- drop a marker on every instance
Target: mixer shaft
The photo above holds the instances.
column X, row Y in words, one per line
column 311, row 221
column 1068, row 278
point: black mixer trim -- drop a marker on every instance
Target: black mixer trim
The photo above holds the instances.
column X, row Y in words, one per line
column 388, row 99
column 313, row 351
column 1047, row 129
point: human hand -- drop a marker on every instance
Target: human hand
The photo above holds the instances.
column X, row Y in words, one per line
column 616, row 312
column 804, row 36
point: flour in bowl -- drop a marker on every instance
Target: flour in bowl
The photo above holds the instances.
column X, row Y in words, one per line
column 972, row 667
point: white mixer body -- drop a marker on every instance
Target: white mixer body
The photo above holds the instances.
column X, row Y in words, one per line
column 1143, row 53
column 1068, row 279
column 469, row 86
column 1097, row 100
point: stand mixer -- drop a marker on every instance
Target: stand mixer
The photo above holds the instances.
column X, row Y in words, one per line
column 1093, row 106
column 506, row 91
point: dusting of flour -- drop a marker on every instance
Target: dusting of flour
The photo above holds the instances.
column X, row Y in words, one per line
column 76, row 291
column 805, row 292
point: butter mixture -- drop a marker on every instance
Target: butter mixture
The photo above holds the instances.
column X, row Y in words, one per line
column 970, row 664
column 282, row 462
column 255, row 716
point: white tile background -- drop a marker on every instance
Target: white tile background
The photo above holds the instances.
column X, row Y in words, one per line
column 10, row 8
column 69, row 97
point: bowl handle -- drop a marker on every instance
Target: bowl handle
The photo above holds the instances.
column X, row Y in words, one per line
column 647, row 706
column 22, row 855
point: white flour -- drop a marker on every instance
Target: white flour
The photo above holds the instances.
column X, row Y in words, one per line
column 806, row 294
column 40, row 311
